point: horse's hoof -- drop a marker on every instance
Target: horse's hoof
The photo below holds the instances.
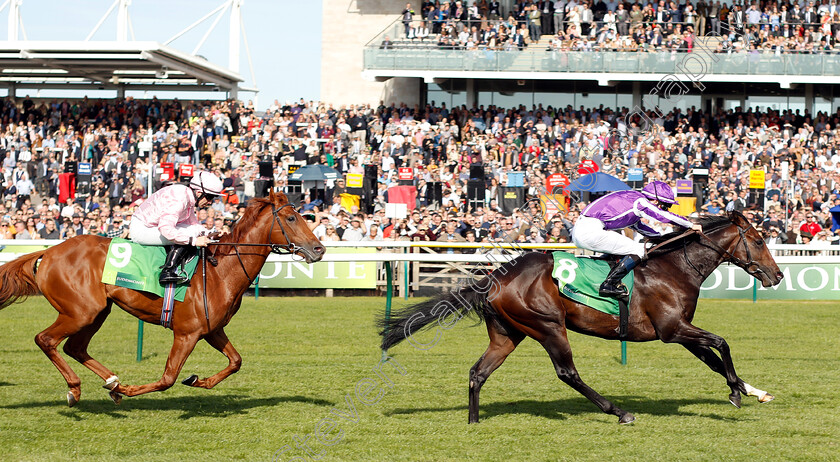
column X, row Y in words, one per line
column 627, row 418
column 112, row 382
column 766, row 398
column 190, row 381
column 71, row 399
column 115, row 397
column 735, row 399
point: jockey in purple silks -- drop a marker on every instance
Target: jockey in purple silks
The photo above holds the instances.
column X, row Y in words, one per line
column 594, row 230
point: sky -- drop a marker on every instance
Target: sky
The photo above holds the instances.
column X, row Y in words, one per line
column 284, row 36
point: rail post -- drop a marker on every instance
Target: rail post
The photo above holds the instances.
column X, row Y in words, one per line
column 389, row 293
column 139, row 340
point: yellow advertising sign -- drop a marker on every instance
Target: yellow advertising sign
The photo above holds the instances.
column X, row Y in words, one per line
column 757, row 179
column 552, row 204
column 355, row 180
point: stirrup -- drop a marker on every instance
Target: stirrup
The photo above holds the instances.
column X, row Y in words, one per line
column 172, row 277
column 615, row 291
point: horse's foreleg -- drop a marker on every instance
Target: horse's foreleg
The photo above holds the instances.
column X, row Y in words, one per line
column 219, row 341
column 557, row 346
column 713, row 361
column 689, row 335
column 501, row 345
column 181, row 349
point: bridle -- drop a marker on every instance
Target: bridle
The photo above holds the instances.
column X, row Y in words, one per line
column 288, row 248
column 749, row 265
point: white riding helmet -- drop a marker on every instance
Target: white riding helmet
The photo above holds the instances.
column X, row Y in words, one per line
column 207, row 183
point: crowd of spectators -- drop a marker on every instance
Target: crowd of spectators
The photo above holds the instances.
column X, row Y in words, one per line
column 773, row 27
column 800, row 153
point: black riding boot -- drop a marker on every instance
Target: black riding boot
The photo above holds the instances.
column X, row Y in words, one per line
column 170, row 273
column 612, row 286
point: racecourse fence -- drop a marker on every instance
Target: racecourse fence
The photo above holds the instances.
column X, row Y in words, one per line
column 424, row 268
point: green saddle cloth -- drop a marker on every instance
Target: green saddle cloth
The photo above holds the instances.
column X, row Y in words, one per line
column 136, row 266
column 580, row 278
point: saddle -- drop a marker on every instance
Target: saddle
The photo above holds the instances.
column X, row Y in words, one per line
column 136, row 266
column 578, row 279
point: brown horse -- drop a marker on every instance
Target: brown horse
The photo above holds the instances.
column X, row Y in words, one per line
column 521, row 299
column 69, row 276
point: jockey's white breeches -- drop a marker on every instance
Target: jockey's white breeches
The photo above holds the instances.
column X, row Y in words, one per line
column 146, row 235
column 589, row 233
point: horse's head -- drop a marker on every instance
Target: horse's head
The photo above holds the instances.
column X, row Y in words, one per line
column 747, row 250
column 289, row 231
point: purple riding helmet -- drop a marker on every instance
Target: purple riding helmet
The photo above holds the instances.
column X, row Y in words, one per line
column 659, row 191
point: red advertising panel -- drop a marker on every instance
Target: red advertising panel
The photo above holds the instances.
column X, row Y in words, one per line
column 406, row 173
column 556, row 182
column 186, row 170
column 587, row 166
column 167, row 171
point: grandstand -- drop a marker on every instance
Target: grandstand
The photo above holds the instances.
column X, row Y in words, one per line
column 720, row 72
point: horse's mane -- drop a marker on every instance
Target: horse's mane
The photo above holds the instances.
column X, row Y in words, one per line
column 710, row 223
column 249, row 218
column 244, row 224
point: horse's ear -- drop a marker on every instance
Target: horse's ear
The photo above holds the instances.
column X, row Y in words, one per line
column 271, row 196
column 737, row 217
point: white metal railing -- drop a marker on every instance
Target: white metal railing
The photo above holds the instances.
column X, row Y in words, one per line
column 490, row 252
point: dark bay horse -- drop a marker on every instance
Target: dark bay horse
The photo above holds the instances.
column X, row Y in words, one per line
column 69, row 276
column 521, row 299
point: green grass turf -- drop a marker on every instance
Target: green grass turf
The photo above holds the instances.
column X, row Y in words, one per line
column 302, row 356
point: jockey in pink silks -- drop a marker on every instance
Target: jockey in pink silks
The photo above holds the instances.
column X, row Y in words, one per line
column 599, row 225
column 168, row 218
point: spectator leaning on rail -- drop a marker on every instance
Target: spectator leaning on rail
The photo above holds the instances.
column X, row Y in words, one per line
column 168, row 218
column 595, row 228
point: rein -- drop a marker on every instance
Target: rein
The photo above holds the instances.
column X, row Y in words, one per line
column 749, row 265
column 288, row 248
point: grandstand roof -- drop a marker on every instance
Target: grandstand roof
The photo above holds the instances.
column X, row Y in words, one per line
column 109, row 65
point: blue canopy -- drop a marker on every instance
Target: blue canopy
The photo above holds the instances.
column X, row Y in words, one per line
column 835, row 218
column 314, row 173
column 597, row 182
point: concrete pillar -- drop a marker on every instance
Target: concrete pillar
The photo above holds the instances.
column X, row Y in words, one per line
column 472, row 94
column 121, row 91
column 14, row 20
column 12, row 90
column 809, row 98
column 233, row 35
column 637, row 94
column 122, row 21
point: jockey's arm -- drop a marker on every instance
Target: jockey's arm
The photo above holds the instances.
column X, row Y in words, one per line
column 652, row 212
column 167, row 224
column 645, row 230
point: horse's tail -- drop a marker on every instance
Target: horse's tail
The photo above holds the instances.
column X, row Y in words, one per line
column 17, row 278
column 446, row 308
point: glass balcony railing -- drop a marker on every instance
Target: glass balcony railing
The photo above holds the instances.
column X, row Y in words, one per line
column 435, row 59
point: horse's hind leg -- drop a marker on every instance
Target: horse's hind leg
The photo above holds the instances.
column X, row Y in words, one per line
column 77, row 345
column 501, row 345
column 49, row 339
column 714, row 362
column 557, row 346
column 219, row 341
column 181, row 349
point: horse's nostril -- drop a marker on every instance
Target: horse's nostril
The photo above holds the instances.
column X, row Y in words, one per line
column 320, row 250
